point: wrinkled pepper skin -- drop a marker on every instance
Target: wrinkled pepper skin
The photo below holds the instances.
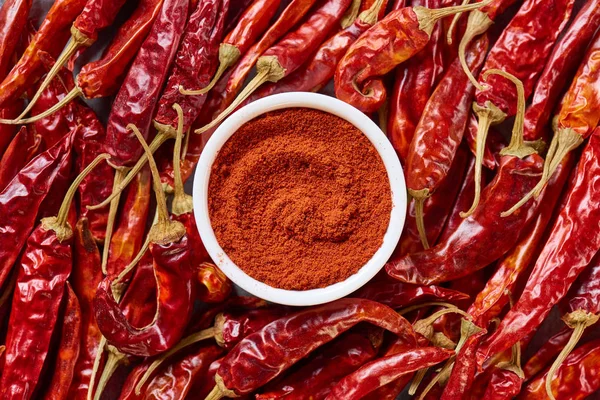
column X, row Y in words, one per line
column 138, row 95
column 562, row 258
column 174, row 305
column 576, row 379
column 68, row 349
column 214, row 286
column 24, row 146
column 316, row 378
column 463, row 371
column 503, row 385
column 139, row 301
column 560, row 68
column 265, row 354
column 26, row 192
column 385, row 370
column 103, row 77
column 97, row 15
column 234, row 325
column 13, row 19
column 463, row 252
column 85, row 278
column 7, row 132
column 51, row 37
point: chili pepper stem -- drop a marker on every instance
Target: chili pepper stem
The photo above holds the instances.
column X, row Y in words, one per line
column 182, row 202
column 514, row 365
column 268, row 70
column 450, row 33
column 228, row 56
column 487, row 116
column 112, row 216
column 370, row 17
column 416, row 381
column 428, row 17
column 96, row 367
column 440, row 340
column 220, row 390
column 73, row 94
column 420, row 196
column 477, row 24
column 77, row 41
column 114, row 359
column 185, row 342
column 351, row 14
column 59, row 223
column 577, row 320
column 164, row 231
column 158, row 141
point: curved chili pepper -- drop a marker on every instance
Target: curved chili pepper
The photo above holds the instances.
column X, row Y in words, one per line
column 13, row 18
column 561, row 260
column 413, row 85
column 321, row 373
column 385, row 370
column 51, row 37
column 252, row 23
column 215, row 287
column 576, row 379
column 85, row 277
column 560, row 67
column 45, row 265
column 27, row 191
column 170, row 250
column 289, row 53
column 25, row 145
column 443, row 122
column 390, row 42
column 494, row 102
column 265, row 354
column 576, row 119
column 68, row 348
column 514, row 266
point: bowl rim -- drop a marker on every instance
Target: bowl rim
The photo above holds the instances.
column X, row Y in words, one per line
column 379, row 141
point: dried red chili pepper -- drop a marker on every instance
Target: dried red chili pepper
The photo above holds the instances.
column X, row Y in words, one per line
column 85, row 277
column 576, row 379
column 443, row 122
column 561, row 260
column 170, row 250
column 21, row 150
column 576, row 119
column 513, row 267
column 413, row 85
column 393, row 40
column 13, row 18
column 560, row 67
column 215, row 287
column 44, row 268
column 51, row 37
column 252, row 23
column 385, row 370
column 289, row 53
column 496, row 101
column 506, row 379
column 460, row 254
column 321, row 373
column 263, row 355
column 27, row 191
column 68, row 349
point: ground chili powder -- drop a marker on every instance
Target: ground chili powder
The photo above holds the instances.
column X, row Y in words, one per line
column 299, row 199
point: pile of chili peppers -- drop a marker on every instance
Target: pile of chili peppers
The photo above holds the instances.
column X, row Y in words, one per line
column 103, row 297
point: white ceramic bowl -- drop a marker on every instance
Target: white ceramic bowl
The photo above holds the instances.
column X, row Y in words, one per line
column 342, row 110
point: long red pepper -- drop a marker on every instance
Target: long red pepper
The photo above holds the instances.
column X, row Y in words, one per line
column 414, row 82
column 393, row 40
column 289, row 53
column 13, row 18
column 68, row 349
column 385, row 370
column 85, row 277
column 51, row 37
column 497, row 99
column 562, row 258
column 576, row 379
column 316, row 378
column 24, row 146
column 576, row 119
column 265, row 354
column 170, row 249
column 27, row 191
column 443, row 122
column 45, row 265
column 253, row 22
column 561, row 66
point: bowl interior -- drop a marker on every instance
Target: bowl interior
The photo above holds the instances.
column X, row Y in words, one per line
column 390, row 161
